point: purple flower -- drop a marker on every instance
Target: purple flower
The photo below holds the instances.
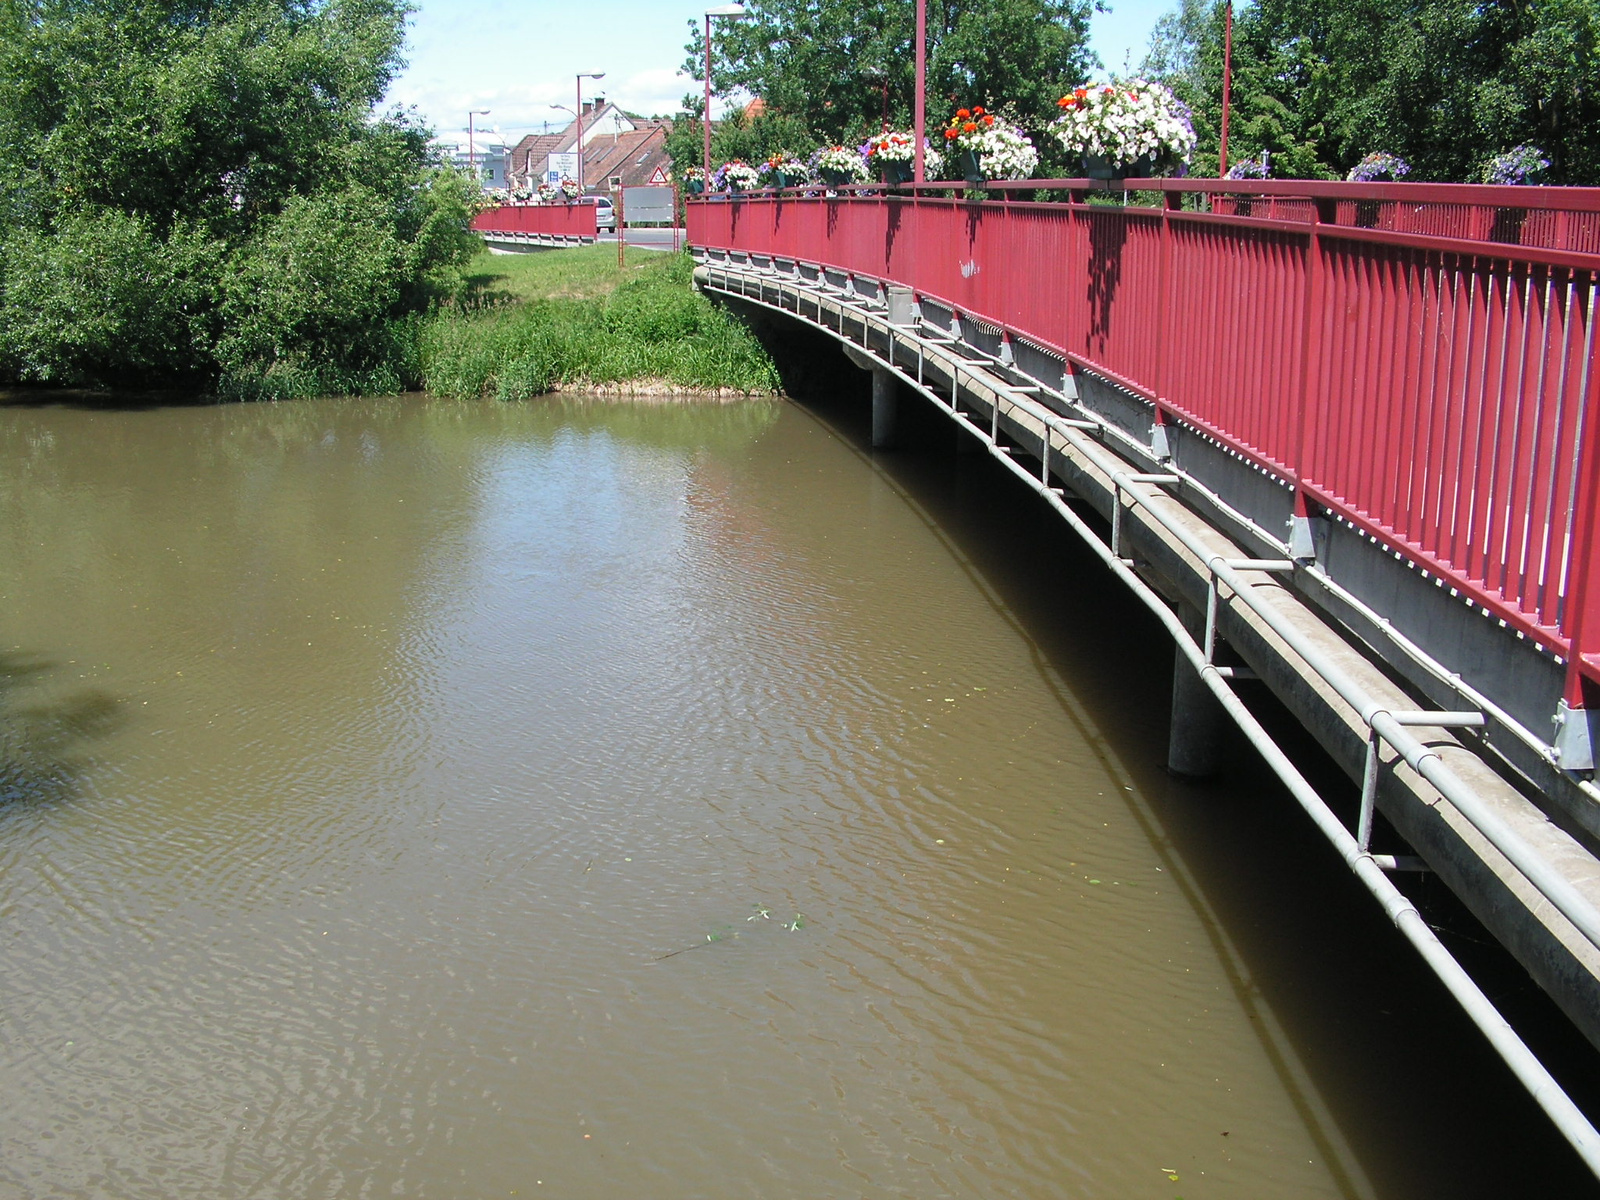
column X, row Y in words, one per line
column 1379, row 166
column 1518, row 165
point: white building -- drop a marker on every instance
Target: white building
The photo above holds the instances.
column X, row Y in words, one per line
column 488, row 153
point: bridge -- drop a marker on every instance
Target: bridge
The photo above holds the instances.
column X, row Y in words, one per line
column 1343, row 440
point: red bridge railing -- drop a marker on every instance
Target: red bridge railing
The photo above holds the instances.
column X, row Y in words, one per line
column 552, row 220
column 1417, row 359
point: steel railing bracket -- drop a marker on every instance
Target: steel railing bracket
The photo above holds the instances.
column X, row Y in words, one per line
column 1575, row 738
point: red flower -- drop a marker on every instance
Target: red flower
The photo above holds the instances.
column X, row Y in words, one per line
column 1080, row 93
column 988, row 120
column 951, row 135
column 962, row 114
column 977, row 112
column 969, row 127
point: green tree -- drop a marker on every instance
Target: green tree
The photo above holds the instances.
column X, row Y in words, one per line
column 1445, row 84
column 753, row 139
column 839, row 68
column 200, row 194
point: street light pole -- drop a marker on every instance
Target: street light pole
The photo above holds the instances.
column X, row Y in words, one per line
column 472, row 155
column 735, row 12
column 581, row 77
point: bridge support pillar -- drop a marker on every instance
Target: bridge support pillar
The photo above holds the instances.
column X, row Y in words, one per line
column 885, row 408
column 1194, row 747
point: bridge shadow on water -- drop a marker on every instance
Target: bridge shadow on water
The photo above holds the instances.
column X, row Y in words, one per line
column 43, row 741
column 1403, row 1093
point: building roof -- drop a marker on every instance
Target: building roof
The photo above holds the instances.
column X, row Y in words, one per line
column 634, row 154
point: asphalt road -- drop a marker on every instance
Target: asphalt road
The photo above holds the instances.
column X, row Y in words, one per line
column 646, row 239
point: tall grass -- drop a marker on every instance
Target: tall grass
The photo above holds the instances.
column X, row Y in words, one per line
column 651, row 326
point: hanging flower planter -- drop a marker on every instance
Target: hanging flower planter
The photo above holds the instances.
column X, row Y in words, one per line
column 737, row 176
column 987, row 147
column 1127, row 131
column 839, row 166
column 893, row 156
column 786, row 171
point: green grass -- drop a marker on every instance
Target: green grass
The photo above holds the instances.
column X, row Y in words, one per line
column 529, row 323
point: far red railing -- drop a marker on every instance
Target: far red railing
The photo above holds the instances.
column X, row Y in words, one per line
column 553, row 220
column 1390, row 350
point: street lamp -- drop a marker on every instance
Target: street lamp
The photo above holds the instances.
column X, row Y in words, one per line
column 472, row 165
column 734, row 12
column 581, row 77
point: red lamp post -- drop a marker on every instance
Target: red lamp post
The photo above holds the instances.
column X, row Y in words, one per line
column 1227, row 87
column 920, row 122
column 733, row 12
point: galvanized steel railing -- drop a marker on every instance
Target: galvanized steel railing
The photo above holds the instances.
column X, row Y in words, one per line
column 1417, row 359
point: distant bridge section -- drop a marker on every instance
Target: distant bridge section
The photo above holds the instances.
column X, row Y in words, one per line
column 521, row 226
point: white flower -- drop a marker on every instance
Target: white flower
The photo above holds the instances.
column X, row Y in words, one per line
column 1124, row 122
column 842, row 160
column 1003, row 150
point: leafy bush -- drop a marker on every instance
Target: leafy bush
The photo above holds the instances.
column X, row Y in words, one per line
column 202, row 196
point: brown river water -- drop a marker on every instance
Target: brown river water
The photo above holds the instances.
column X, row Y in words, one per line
column 410, row 798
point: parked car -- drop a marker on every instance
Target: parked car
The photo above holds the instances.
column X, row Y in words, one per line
column 605, row 214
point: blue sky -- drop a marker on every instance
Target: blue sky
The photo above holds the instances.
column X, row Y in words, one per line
column 516, row 59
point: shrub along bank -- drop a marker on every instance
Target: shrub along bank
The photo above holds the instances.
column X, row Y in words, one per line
column 206, row 197
column 569, row 318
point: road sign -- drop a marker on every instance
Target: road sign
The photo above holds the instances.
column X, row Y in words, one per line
column 647, row 205
column 566, row 165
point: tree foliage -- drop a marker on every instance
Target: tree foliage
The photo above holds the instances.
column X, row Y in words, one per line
column 1445, row 84
column 836, row 69
column 199, row 193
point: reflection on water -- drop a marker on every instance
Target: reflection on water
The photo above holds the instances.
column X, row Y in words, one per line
column 586, row 800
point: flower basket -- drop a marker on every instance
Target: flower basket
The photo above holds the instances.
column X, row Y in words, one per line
column 694, row 187
column 737, row 176
column 1098, row 166
column 987, row 147
column 786, row 170
column 1131, row 130
column 837, row 166
column 892, row 156
column 897, row 173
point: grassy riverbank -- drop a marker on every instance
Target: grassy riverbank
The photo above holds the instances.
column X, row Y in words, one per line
column 531, row 323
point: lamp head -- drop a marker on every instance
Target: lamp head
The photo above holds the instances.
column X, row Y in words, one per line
column 735, row 11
